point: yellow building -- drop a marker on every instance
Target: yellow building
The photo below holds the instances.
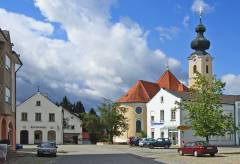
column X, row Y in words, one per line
column 135, row 102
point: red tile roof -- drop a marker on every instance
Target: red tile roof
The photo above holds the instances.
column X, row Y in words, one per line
column 143, row 91
column 170, row 82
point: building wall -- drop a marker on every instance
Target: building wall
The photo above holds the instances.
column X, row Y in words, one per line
column 7, row 79
column 200, row 62
column 132, row 117
column 73, row 126
column 167, row 126
column 29, row 106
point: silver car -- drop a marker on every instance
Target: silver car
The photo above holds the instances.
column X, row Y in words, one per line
column 145, row 142
column 47, row 148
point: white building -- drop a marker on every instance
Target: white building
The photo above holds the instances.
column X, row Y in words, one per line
column 164, row 118
column 39, row 120
column 72, row 127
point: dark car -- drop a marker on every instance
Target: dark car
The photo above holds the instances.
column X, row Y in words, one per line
column 134, row 141
column 48, row 148
column 198, row 148
column 160, row 142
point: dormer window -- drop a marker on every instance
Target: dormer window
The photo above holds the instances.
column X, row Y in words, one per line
column 194, row 69
column 38, row 103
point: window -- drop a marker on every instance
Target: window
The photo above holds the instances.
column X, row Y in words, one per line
column 152, row 119
column 38, row 117
column 138, row 110
column 162, row 134
column 24, row 116
column 194, row 69
column 152, row 133
column 206, row 68
column 7, row 63
column 51, row 117
column 173, row 114
column 72, row 127
column 161, row 100
column 138, row 126
column 7, row 95
column 38, row 103
column 161, row 115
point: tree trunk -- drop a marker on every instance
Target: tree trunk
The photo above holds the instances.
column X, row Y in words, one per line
column 111, row 138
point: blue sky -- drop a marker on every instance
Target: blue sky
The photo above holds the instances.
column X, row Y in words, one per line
column 152, row 25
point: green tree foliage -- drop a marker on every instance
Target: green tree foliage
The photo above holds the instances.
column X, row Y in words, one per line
column 113, row 119
column 65, row 103
column 205, row 115
column 93, row 112
column 93, row 126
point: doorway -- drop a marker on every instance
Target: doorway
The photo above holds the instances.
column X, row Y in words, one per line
column 24, row 137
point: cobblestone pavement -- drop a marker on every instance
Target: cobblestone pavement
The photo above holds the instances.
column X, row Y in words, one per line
column 83, row 153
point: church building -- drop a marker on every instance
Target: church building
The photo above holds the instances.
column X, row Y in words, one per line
column 151, row 107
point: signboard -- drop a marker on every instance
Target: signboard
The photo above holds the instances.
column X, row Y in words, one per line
column 157, row 123
column 3, row 151
column 38, row 127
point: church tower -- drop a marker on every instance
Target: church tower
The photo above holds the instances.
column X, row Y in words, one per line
column 200, row 60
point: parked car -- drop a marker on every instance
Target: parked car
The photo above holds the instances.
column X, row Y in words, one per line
column 47, row 148
column 198, row 148
column 19, row 146
column 160, row 142
column 145, row 142
column 134, row 141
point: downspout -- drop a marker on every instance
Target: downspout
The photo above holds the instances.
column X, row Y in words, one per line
column 21, row 64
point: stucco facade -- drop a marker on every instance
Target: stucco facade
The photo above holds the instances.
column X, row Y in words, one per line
column 133, row 117
column 72, row 128
column 9, row 65
column 39, row 120
column 168, row 127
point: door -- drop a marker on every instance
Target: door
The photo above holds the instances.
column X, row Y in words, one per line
column 37, row 137
column 173, row 136
column 24, row 137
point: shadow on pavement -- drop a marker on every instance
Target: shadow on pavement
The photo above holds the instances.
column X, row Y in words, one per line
column 105, row 159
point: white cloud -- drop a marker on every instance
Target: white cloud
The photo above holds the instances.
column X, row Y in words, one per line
column 185, row 21
column 167, row 33
column 232, row 83
column 197, row 4
column 99, row 59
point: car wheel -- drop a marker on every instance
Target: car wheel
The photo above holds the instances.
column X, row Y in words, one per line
column 180, row 152
column 196, row 154
column 212, row 155
column 38, row 154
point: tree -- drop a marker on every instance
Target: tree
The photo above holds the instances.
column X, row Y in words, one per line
column 93, row 112
column 93, row 126
column 205, row 114
column 113, row 119
column 65, row 103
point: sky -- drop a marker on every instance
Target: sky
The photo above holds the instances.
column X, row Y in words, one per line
column 91, row 50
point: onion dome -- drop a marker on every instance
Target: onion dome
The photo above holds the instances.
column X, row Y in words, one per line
column 200, row 44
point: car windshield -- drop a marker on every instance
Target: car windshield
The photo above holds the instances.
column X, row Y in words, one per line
column 47, row 145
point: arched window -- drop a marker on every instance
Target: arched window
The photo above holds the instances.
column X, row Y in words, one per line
column 138, row 126
column 51, row 136
column 194, row 69
column 206, row 68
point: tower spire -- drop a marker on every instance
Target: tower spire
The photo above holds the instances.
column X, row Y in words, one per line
column 200, row 14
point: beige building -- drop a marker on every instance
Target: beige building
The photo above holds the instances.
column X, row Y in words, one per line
column 9, row 65
column 138, row 96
